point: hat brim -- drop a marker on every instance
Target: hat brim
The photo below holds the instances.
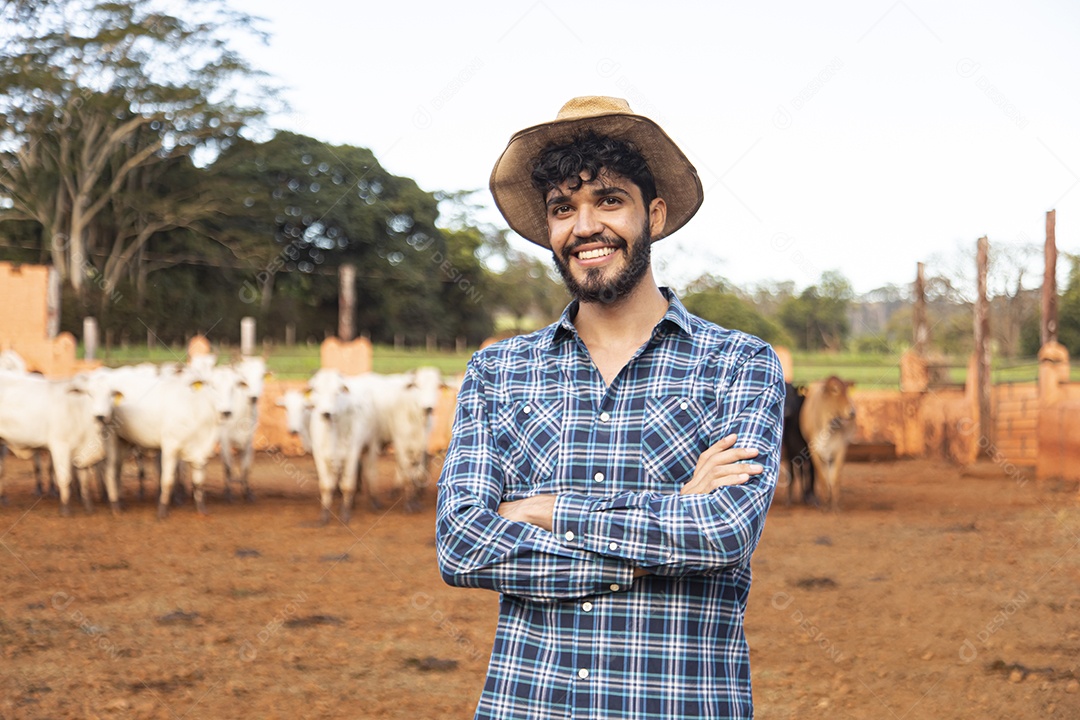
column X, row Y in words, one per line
column 519, row 201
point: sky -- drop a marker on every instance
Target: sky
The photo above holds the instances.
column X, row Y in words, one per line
column 862, row 137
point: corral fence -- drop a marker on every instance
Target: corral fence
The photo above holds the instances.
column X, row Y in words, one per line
column 1033, row 433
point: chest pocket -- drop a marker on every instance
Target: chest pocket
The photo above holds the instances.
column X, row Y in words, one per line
column 674, row 435
column 528, row 434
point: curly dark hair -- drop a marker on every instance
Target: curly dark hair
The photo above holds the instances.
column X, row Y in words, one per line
column 581, row 160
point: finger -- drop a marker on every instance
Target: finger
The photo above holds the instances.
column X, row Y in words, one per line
column 719, row 446
column 728, row 480
column 727, row 457
column 738, row 469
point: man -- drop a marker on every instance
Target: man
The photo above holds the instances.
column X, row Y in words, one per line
column 599, row 475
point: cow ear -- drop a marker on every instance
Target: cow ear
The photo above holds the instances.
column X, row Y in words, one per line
column 197, row 385
column 118, row 397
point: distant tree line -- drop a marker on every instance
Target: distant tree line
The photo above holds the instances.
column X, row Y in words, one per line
column 134, row 158
column 127, row 161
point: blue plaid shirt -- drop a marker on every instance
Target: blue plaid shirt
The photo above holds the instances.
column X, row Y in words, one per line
column 578, row 636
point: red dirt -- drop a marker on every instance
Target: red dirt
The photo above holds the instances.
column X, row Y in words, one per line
column 933, row 593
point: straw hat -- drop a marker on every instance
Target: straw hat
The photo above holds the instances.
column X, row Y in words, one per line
column 522, row 205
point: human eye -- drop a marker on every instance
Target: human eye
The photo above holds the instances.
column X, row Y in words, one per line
column 560, row 210
column 611, row 201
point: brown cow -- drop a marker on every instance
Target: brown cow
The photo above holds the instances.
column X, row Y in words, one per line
column 827, row 420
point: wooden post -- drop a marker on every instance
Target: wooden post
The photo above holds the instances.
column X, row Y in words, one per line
column 460, row 344
column 399, row 341
column 347, row 302
column 982, row 346
column 431, row 342
column 247, row 336
column 290, row 334
column 108, row 341
column 52, row 303
column 149, row 340
column 1049, row 332
column 920, row 330
column 90, row 338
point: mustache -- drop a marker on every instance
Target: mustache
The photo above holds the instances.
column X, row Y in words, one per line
column 615, row 242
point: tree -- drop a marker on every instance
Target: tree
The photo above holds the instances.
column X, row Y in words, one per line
column 97, row 100
column 718, row 301
column 1069, row 309
column 818, row 317
column 301, row 207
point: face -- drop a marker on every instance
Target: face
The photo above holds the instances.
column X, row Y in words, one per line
column 601, row 236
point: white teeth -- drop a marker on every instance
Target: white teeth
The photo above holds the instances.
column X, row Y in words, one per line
column 599, row 252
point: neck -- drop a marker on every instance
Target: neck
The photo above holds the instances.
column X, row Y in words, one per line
column 628, row 321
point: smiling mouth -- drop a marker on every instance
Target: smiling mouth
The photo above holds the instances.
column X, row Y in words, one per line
column 597, row 253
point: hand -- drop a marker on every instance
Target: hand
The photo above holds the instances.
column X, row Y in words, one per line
column 537, row 510
column 720, row 465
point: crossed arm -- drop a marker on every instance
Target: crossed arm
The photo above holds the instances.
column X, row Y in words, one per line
column 552, row 547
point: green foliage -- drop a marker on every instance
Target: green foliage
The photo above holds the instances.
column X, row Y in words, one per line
column 102, row 105
column 729, row 310
column 817, row 317
column 1069, row 310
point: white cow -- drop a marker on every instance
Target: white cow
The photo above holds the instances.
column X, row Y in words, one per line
column 176, row 414
column 65, row 417
column 402, row 421
column 237, row 439
column 342, row 428
column 297, row 416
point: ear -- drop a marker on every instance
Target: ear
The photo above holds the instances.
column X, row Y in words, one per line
column 657, row 216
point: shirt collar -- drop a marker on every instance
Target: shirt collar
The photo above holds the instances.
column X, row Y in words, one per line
column 676, row 315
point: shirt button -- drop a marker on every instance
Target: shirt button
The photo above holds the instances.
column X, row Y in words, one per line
column 586, row 606
column 613, row 546
column 684, row 405
column 614, row 587
column 569, row 535
column 604, row 416
column 527, row 409
column 598, row 477
column 583, row 673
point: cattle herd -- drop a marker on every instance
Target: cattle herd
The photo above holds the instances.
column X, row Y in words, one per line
column 190, row 412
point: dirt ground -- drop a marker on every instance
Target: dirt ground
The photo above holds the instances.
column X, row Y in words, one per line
column 935, row 593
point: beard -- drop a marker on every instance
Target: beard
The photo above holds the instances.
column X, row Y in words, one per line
column 593, row 288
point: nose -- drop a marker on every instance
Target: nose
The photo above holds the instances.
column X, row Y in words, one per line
column 587, row 222
column 326, row 416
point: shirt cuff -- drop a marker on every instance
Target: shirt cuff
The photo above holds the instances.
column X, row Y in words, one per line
column 570, row 525
column 603, row 527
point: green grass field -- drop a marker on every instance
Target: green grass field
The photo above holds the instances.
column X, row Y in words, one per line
column 300, row 361
column 864, row 369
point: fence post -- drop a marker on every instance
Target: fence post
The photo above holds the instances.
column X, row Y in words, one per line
column 247, row 336
column 90, row 338
column 1049, row 324
column 920, row 330
column 347, row 302
column 982, row 346
column 290, row 334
